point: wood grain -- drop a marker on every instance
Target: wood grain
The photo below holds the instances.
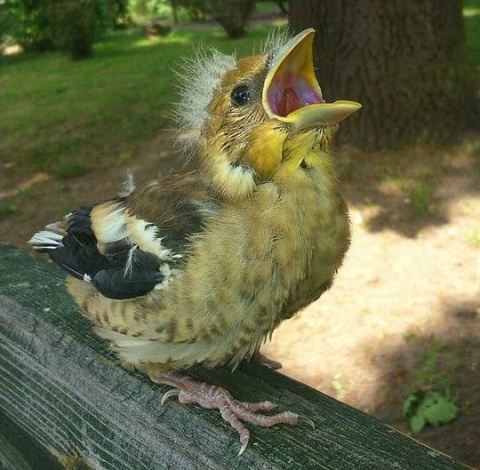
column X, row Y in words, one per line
column 62, row 385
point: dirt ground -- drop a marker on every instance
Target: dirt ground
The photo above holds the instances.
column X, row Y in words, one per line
column 413, row 271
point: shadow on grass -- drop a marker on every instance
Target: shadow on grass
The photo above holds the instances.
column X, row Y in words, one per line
column 410, row 192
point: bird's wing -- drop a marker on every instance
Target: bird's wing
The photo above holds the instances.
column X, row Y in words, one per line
column 130, row 245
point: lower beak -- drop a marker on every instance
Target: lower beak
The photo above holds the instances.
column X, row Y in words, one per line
column 291, row 92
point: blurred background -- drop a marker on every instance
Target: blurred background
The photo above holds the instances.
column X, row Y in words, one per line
column 87, row 93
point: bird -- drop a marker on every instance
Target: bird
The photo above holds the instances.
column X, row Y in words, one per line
column 200, row 267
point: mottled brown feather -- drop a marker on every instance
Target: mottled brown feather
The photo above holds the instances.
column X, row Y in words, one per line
column 261, row 230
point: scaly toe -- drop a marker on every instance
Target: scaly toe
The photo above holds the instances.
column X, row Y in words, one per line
column 259, row 406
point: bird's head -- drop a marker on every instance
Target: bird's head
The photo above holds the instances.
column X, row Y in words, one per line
column 260, row 118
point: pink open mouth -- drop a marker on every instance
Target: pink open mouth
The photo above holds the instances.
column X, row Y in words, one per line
column 286, row 95
column 291, row 83
column 291, row 93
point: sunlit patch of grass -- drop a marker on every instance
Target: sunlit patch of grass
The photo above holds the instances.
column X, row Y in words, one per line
column 473, row 238
column 468, row 12
column 339, row 387
column 471, row 13
column 96, row 111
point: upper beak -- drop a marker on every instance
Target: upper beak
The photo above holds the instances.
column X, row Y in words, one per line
column 291, row 92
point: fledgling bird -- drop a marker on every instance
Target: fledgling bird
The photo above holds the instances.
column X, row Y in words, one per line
column 201, row 268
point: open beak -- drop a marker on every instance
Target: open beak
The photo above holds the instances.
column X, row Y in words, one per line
column 291, row 92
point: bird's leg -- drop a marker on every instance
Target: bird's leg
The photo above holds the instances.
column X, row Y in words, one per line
column 191, row 391
column 264, row 360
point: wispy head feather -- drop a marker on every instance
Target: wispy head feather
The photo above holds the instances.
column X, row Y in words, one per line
column 276, row 39
column 198, row 78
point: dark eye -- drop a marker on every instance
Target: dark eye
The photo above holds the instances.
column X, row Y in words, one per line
column 241, row 95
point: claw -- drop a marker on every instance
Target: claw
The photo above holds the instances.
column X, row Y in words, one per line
column 175, row 392
column 306, row 420
column 244, row 442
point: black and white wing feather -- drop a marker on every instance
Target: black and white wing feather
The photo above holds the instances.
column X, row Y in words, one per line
column 128, row 246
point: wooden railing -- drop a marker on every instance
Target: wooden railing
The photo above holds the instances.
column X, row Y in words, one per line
column 63, row 394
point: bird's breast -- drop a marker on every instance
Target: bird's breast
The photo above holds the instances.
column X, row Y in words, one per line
column 256, row 263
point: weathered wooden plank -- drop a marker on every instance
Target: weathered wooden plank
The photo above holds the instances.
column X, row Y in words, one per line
column 11, row 458
column 61, row 384
column 19, row 451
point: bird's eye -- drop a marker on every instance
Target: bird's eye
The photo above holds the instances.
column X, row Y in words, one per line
column 241, row 95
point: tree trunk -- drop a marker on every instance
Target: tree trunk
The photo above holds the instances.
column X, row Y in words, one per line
column 173, row 6
column 404, row 60
column 231, row 14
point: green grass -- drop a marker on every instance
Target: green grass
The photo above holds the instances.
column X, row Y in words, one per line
column 421, row 199
column 66, row 117
column 473, row 239
column 472, row 31
column 7, row 208
column 71, row 169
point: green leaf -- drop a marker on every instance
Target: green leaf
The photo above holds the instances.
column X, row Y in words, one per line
column 437, row 409
column 428, row 408
column 410, row 405
column 417, row 423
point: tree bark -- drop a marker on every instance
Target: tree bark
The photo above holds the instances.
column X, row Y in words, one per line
column 231, row 14
column 404, row 60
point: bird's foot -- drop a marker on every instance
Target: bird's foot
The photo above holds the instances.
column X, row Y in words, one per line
column 264, row 360
column 190, row 391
